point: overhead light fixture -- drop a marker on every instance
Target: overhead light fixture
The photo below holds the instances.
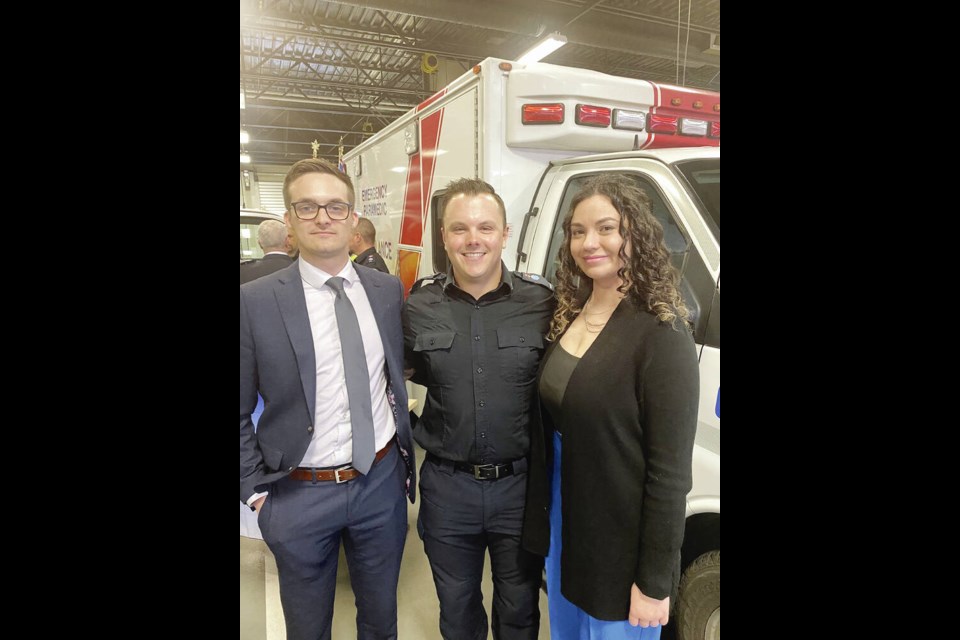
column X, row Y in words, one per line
column 244, row 137
column 245, row 158
column 243, row 103
column 542, row 49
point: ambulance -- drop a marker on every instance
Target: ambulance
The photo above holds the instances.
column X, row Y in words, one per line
column 536, row 132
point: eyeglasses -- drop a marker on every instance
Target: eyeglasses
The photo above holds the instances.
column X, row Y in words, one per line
column 309, row 210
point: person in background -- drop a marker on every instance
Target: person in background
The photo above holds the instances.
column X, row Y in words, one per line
column 474, row 337
column 291, row 246
column 331, row 457
column 619, row 388
column 272, row 238
column 362, row 245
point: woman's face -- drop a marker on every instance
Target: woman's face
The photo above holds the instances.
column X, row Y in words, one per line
column 595, row 240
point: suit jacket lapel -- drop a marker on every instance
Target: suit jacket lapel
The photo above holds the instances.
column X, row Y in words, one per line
column 293, row 308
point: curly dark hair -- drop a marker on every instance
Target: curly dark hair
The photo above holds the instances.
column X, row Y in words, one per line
column 649, row 280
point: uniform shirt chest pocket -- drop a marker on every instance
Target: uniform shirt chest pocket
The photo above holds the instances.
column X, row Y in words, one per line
column 435, row 349
column 519, row 351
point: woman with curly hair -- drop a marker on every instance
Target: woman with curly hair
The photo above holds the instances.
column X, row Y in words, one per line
column 619, row 394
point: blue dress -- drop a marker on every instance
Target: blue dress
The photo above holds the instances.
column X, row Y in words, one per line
column 567, row 621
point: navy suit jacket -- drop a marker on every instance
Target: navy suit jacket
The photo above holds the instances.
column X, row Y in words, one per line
column 278, row 361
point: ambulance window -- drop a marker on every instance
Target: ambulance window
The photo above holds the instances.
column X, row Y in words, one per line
column 440, row 262
column 672, row 236
column 697, row 285
column 703, row 177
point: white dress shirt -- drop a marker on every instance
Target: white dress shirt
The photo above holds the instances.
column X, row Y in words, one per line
column 332, row 443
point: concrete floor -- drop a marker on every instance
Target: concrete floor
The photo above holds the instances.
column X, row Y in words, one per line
column 261, row 617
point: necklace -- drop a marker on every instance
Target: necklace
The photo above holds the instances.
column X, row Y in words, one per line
column 594, row 327
column 597, row 313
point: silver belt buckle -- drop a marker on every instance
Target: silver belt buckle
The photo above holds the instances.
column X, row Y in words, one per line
column 336, row 474
column 486, row 467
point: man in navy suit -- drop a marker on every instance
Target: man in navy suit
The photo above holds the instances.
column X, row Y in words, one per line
column 295, row 467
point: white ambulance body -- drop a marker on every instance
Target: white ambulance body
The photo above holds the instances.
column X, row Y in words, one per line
column 526, row 130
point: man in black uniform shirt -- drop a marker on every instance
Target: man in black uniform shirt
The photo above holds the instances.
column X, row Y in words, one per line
column 362, row 244
column 474, row 337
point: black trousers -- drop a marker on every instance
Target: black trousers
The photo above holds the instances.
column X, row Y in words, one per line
column 460, row 519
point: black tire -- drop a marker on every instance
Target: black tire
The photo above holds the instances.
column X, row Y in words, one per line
column 698, row 604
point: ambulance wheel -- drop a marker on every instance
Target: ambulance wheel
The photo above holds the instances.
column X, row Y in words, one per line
column 698, row 604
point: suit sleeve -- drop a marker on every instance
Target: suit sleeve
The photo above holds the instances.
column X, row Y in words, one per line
column 668, row 401
column 251, row 460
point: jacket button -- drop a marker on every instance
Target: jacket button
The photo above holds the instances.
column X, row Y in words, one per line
column 481, row 403
column 479, row 369
column 290, row 469
column 310, row 429
column 432, row 340
column 522, row 339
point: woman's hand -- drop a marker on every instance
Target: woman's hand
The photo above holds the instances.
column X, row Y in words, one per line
column 646, row 611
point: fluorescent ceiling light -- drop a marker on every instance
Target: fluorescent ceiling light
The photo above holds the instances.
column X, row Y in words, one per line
column 244, row 137
column 245, row 158
column 243, row 103
column 542, row 49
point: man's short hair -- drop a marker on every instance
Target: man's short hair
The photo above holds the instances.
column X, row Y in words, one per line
column 315, row 165
column 471, row 187
column 367, row 231
column 272, row 234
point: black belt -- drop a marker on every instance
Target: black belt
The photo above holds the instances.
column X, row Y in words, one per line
column 482, row 471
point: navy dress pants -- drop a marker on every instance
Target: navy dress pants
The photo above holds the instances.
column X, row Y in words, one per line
column 304, row 522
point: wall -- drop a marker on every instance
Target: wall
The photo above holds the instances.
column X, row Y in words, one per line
column 262, row 187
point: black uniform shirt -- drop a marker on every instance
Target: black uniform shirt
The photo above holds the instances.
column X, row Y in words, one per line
column 370, row 258
column 478, row 360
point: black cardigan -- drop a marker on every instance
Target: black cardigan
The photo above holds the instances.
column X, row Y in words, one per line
column 629, row 417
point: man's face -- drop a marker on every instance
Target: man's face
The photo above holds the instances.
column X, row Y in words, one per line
column 320, row 238
column 474, row 237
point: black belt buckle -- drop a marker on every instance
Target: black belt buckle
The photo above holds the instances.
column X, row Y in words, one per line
column 486, row 471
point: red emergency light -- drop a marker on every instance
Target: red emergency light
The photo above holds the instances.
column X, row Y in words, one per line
column 592, row 116
column 551, row 113
column 657, row 123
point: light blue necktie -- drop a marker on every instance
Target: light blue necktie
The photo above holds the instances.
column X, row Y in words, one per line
column 358, row 378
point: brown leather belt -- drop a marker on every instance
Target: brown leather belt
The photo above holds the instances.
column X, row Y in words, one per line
column 343, row 474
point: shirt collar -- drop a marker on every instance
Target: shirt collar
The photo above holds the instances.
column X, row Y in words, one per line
column 317, row 278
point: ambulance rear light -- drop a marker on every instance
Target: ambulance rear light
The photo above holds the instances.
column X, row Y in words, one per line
column 551, row 113
column 630, row 120
column 714, row 130
column 657, row 123
column 693, row 127
column 592, row 116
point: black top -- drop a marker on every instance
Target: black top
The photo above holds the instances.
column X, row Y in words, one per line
column 629, row 416
column 370, row 258
column 478, row 360
column 556, row 374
